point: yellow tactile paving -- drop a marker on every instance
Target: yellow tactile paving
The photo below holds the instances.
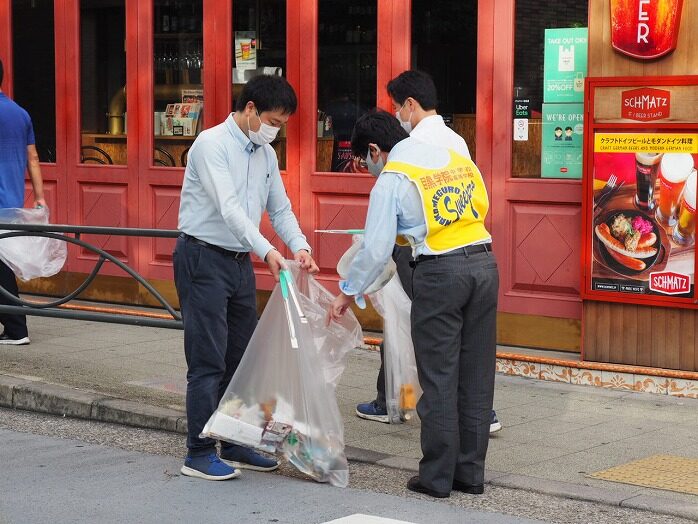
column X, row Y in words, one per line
column 658, row 471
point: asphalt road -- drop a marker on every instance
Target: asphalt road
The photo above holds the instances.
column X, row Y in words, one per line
column 61, row 470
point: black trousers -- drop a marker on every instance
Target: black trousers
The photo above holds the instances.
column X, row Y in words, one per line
column 15, row 326
column 218, row 302
column 454, row 316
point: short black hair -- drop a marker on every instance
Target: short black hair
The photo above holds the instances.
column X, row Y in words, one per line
column 376, row 127
column 2, row 72
column 558, row 128
column 568, row 128
column 415, row 84
column 268, row 93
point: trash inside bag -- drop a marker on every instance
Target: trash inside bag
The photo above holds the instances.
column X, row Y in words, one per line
column 282, row 396
column 402, row 390
column 31, row 256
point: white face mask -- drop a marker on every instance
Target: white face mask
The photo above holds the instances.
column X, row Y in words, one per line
column 406, row 125
column 266, row 134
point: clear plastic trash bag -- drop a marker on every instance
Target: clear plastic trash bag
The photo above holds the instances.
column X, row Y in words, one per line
column 402, row 390
column 282, row 396
column 31, row 256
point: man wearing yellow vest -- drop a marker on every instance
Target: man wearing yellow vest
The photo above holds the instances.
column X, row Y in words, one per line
column 437, row 200
column 414, row 97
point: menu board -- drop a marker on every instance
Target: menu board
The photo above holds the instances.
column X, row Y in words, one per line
column 643, row 223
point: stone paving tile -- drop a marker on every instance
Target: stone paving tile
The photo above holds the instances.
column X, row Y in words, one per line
column 653, row 443
column 392, row 446
column 523, row 414
column 511, row 458
column 536, row 430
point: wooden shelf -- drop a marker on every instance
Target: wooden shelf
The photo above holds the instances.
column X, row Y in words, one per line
column 107, row 136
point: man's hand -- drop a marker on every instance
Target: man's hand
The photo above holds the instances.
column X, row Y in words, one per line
column 338, row 307
column 39, row 202
column 276, row 263
column 306, row 261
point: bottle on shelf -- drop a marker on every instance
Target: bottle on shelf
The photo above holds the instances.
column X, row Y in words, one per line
column 166, row 17
column 174, row 18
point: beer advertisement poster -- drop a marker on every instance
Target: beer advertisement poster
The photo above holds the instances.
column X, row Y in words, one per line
column 563, row 134
column 565, row 64
column 643, row 220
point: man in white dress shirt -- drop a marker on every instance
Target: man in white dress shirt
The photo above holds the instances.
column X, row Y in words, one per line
column 231, row 178
column 414, row 98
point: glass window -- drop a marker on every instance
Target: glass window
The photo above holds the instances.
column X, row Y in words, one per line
column 346, row 77
column 444, row 44
column 103, row 82
column 179, row 90
column 34, row 70
column 534, row 155
column 259, row 41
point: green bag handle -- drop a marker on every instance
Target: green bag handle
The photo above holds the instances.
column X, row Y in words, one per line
column 284, row 280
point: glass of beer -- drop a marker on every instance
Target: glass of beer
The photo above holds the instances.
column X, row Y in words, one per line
column 646, row 168
column 685, row 228
column 673, row 172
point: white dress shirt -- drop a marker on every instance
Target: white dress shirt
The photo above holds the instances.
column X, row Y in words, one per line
column 228, row 183
column 433, row 131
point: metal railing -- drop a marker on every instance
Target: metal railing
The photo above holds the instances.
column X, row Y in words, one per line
column 54, row 309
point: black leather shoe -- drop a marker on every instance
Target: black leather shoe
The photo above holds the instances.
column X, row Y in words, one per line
column 414, row 485
column 478, row 489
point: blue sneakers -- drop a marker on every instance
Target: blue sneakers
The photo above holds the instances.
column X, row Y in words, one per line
column 372, row 411
column 246, row 458
column 495, row 425
column 208, row 467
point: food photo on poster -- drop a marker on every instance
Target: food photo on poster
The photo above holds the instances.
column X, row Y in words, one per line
column 643, row 221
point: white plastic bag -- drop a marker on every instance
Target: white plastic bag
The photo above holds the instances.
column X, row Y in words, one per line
column 402, row 388
column 31, row 256
column 347, row 258
column 282, row 399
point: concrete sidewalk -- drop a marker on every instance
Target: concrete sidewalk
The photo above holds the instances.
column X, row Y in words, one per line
column 554, row 434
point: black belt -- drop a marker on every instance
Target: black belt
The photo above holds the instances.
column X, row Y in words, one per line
column 461, row 251
column 237, row 255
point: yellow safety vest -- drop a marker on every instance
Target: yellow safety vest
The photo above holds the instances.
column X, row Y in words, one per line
column 454, row 202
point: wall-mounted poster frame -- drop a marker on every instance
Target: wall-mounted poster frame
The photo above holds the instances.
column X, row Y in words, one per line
column 639, row 190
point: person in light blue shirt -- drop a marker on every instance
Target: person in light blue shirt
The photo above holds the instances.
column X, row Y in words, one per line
column 454, row 288
column 231, row 178
column 414, row 99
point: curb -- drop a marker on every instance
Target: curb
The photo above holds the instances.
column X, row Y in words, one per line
column 64, row 401
column 53, row 399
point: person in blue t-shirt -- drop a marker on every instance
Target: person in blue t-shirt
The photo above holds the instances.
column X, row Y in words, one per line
column 17, row 154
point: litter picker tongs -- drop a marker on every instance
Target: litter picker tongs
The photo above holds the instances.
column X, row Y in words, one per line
column 288, row 288
column 341, row 231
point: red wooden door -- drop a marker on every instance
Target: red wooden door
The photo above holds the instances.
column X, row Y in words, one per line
column 100, row 194
column 536, row 223
column 338, row 200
